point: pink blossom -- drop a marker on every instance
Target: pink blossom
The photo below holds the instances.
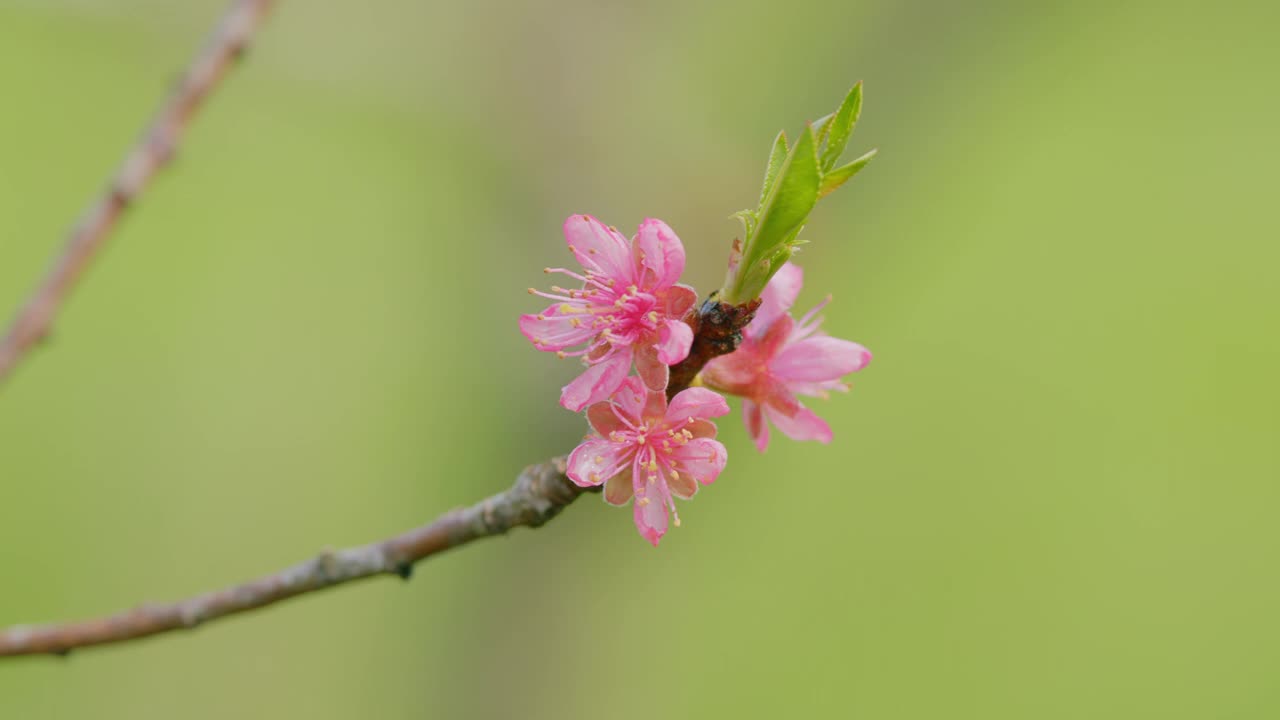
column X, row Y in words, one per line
column 779, row 359
column 656, row 452
column 629, row 308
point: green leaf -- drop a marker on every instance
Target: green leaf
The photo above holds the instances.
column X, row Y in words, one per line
column 748, row 220
column 776, row 157
column 821, row 127
column 842, row 127
column 791, row 196
column 839, row 176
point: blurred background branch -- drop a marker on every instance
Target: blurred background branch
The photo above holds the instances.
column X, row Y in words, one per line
column 153, row 151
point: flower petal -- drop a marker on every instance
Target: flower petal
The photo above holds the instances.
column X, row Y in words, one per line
column 819, row 359
column 678, row 299
column 702, row 459
column 597, row 383
column 773, row 340
column 674, row 340
column 701, row 428
column 652, row 371
column 650, row 506
column 551, row 330
column 603, row 419
column 695, row 403
column 681, row 484
column 753, row 418
column 660, row 253
column 618, row 489
column 777, row 298
column 595, row 460
column 798, row 422
column 630, row 398
column 739, row 372
column 599, row 248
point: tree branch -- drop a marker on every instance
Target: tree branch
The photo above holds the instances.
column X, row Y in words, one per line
column 152, row 152
column 539, row 494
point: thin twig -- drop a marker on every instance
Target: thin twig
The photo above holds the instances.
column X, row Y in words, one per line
column 539, row 494
column 152, row 152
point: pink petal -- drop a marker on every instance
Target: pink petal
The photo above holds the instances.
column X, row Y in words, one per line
column 701, row 428
column 773, row 340
column 682, row 484
column 660, row 253
column 695, row 403
column 702, row 459
column 603, row 419
column 630, row 398
column 738, row 372
column 618, row 489
column 777, row 298
column 596, row 460
column 655, row 406
column 819, row 359
column 597, row 383
column 678, row 299
column 652, row 371
column 674, row 340
column 753, row 418
column 599, row 248
column 650, row 506
column 798, row 423
column 552, row 330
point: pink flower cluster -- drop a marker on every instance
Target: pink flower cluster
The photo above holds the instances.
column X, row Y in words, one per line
column 627, row 309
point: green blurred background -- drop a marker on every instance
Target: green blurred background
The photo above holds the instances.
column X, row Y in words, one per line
column 1052, row 495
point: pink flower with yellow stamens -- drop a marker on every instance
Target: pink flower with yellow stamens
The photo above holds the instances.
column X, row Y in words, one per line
column 651, row 451
column 629, row 309
column 779, row 359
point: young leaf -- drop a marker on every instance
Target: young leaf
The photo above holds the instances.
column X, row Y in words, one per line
column 821, row 127
column 791, row 196
column 794, row 193
column 776, row 157
column 842, row 127
column 838, row 177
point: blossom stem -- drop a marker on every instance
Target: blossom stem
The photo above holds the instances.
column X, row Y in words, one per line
column 717, row 330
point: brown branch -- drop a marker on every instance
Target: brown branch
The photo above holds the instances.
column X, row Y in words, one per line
column 539, row 494
column 152, row 152
column 717, row 330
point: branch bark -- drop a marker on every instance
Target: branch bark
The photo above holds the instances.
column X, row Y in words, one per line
column 539, row 494
column 152, row 152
